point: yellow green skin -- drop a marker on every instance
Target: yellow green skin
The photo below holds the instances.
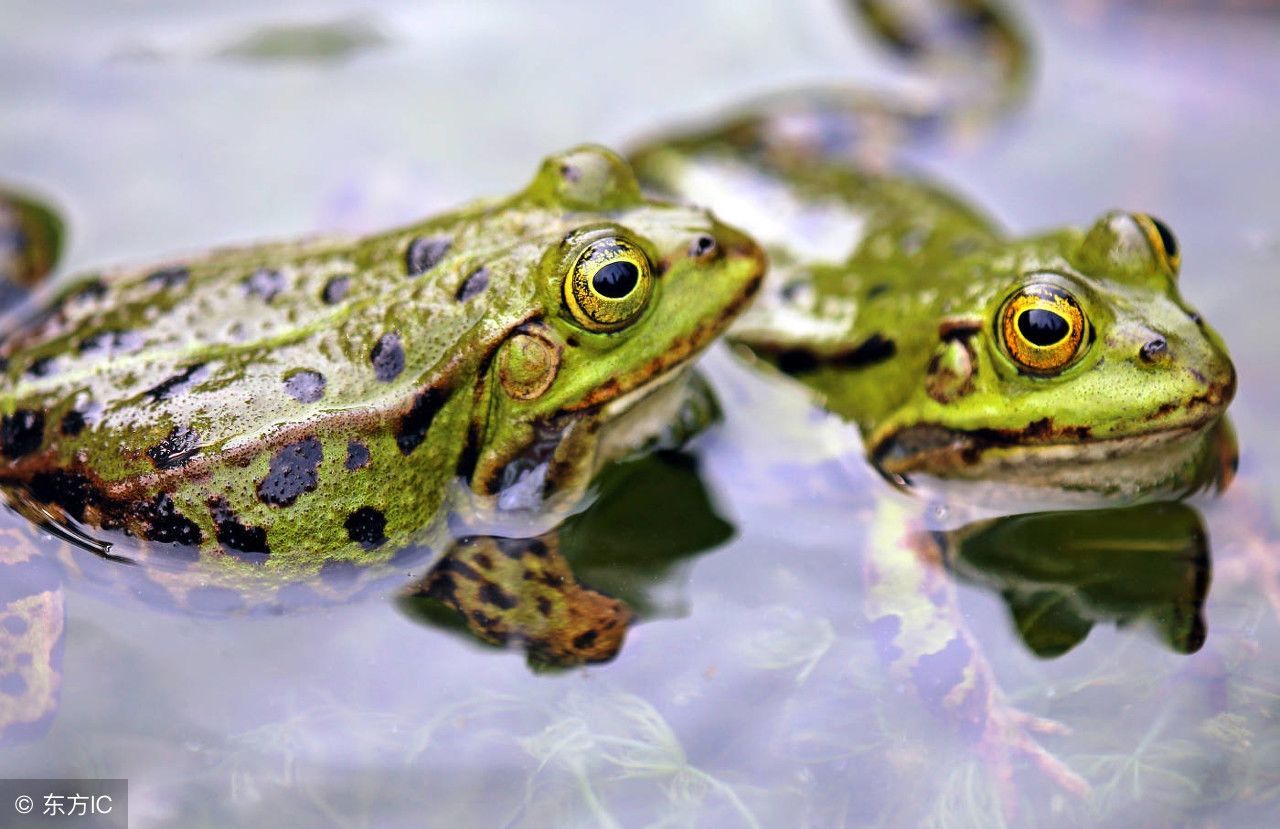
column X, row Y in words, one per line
column 884, row 296
column 165, row 403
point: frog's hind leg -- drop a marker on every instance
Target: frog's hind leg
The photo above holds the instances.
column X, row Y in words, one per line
column 971, row 55
column 31, row 637
column 521, row 591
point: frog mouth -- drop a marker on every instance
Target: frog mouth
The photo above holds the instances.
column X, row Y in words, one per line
column 1168, row 461
column 949, row 451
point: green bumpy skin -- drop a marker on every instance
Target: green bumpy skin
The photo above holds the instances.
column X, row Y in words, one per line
column 887, row 296
column 297, row 406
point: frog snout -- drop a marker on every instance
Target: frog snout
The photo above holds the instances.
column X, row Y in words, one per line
column 1204, row 364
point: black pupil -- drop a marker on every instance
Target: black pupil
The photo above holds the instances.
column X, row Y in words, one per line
column 1166, row 238
column 616, row 279
column 1042, row 328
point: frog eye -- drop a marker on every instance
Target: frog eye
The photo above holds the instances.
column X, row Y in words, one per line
column 609, row 285
column 1162, row 240
column 1042, row 328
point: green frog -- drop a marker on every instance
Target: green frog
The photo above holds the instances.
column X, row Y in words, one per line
column 1062, row 369
column 1064, row 363
column 270, row 426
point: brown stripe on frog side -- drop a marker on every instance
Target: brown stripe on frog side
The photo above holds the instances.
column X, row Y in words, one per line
column 799, row 360
column 678, row 352
column 154, row 518
column 965, row 447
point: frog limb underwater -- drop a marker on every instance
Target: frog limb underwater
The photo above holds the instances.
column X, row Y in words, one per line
column 1059, row 369
column 286, row 424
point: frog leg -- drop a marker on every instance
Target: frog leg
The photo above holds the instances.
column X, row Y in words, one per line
column 971, row 54
column 510, row 591
column 925, row 644
column 32, row 625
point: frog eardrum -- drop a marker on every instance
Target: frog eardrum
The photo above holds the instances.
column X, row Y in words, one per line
column 1042, row 328
column 609, row 285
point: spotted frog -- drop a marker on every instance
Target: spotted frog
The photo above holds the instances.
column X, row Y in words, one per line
column 272, row 425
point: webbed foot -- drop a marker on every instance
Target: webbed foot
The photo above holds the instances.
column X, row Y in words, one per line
column 521, row 591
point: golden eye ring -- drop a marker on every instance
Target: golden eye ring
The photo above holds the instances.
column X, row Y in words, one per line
column 1162, row 241
column 609, row 285
column 1042, row 329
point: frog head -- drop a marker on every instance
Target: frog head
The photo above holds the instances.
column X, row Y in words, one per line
column 625, row 290
column 1074, row 365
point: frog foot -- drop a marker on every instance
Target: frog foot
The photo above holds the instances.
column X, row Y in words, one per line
column 511, row 591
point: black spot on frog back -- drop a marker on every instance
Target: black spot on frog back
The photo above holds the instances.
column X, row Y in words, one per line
column 415, row 423
column 294, row 470
column 265, row 283
column 335, row 290
column 178, row 383
column 164, row 524
column 179, row 446
column 473, row 285
column 387, row 357
column 305, row 386
column 111, row 342
column 357, row 455
column 166, row 278
column 367, row 527
column 424, row 253
column 41, row 366
column 796, row 360
column 240, row 540
column 21, row 433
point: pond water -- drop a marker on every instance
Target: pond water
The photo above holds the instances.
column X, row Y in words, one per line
column 751, row 694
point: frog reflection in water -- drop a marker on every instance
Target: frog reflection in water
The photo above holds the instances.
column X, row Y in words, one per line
column 1059, row 369
column 281, row 425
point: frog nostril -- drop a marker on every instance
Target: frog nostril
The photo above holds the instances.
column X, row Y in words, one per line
column 702, row 246
column 1154, row 350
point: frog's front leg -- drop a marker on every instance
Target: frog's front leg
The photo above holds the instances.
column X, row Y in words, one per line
column 923, row 640
column 521, row 591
